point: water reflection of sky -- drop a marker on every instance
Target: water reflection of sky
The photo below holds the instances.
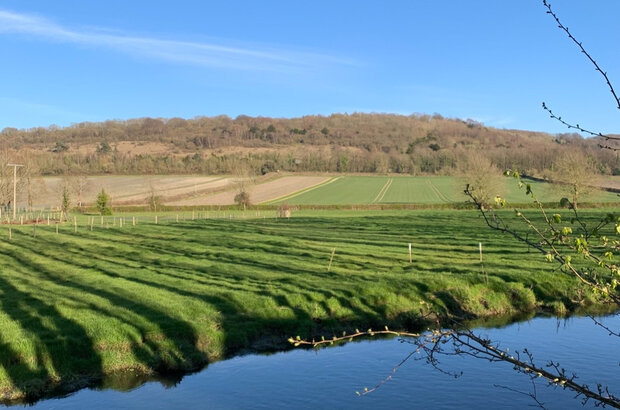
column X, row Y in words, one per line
column 301, row 379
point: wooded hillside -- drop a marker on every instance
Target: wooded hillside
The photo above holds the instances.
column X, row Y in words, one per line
column 371, row 143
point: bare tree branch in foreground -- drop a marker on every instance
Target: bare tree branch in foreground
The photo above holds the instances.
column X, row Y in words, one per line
column 606, row 138
column 432, row 345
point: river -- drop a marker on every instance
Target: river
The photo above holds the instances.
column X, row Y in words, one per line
column 329, row 378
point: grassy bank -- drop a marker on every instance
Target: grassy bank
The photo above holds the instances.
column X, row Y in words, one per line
column 75, row 306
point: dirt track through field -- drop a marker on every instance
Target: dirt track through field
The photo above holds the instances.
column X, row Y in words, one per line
column 437, row 192
column 383, row 191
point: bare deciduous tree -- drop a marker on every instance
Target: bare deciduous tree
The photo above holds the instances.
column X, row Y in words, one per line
column 31, row 183
column 244, row 179
column 483, row 178
column 574, row 174
column 79, row 183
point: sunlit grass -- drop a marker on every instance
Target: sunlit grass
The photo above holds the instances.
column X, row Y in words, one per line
column 174, row 295
column 364, row 190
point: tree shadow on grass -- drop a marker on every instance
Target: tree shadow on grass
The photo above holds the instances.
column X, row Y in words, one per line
column 371, row 313
column 109, row 264
column 65, row 356
column 60, row 346
column 176, row 344
column 183, row 354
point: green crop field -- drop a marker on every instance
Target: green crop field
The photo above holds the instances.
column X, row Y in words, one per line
column 362, row 190
column 75, row 306
column 340, row 190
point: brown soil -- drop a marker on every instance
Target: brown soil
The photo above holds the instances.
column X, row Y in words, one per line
column 129, row 189
column 258, row 193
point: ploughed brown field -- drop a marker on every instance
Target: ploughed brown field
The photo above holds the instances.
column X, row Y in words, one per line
column 131, row 189
column 258, row 193
column 172, row 190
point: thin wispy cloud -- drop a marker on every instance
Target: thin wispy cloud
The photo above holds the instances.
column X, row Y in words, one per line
column 182, row 52
column 10, row 106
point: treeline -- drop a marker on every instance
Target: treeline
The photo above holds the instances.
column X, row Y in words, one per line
column 374, row 143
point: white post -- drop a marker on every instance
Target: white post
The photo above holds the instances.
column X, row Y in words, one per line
column 14, row 186
column 410, row 260
column 480, row 248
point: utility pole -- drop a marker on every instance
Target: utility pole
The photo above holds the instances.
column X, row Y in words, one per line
column 14, row 186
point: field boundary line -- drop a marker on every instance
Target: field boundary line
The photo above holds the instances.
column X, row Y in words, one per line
column 439, row 194
column 297, row 193
column 383, row 191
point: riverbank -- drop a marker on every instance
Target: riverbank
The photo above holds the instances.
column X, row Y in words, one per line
column 173, row 296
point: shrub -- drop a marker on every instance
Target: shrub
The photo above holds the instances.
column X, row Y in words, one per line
column 243, row 199
column 103, row 203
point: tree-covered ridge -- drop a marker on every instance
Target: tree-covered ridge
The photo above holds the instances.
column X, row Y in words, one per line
column 415, row 144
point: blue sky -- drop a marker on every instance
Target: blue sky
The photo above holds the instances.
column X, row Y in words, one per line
column 493, row 61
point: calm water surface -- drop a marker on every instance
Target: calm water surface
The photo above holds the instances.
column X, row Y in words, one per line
column 329, row 378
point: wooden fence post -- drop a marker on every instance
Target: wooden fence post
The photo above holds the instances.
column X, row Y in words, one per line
column 329, row 267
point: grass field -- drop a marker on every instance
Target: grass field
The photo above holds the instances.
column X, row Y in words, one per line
column 362, row 190
column 173, row 296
